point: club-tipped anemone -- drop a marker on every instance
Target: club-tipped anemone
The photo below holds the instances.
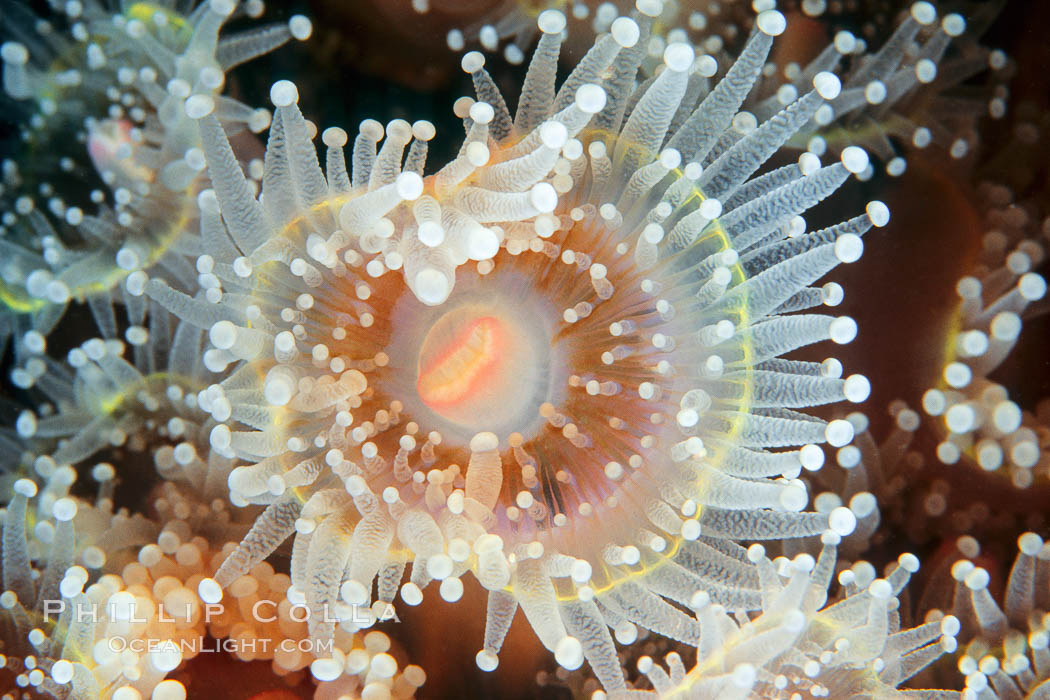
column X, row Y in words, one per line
column 978, row 420
column 260, row 620
column 555, row 363
column 1004, row 643
column 515, row 24
column 919, row 89
column 118, row 81
column 53, row 544
column 103, row 605
column 139, row 394
column 798, row 644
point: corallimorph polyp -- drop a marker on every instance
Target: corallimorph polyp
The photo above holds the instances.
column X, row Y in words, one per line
column 802, row 644
column 114, row 82
column 555, row 363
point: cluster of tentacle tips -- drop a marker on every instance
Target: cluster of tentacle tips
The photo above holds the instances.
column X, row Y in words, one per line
column 980, row 421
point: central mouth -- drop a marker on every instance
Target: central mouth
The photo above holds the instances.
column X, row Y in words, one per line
column 483, row 365
column 475, row 369
column 463, row 359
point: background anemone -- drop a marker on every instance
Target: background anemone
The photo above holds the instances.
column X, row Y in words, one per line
column 114, row 609
column 853, row 646
column 116, row 81
column 979, row 420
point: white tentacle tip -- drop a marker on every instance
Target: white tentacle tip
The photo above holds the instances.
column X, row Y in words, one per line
column 827, row 85
column 744, row 676
column 924, row 13
column 484, row 442
column 487, row 660
column 284, row 93
column 842, row 521
column 25, row 487
column 209, row 590
column 300, row 27
column 625, row 32
column 199, row 106
column 839, row 433
column 849, row 247
column 472, row 61
column 569, row 653
column 14, row 53
column 334, row 137
column 223, row 8
column 551, row 22
column 409, row 186
column 878, row 212
column 544, row 197
column 431, row 286
column 591, row 98
column 855, row 159
column 679, row 57
column 771, row 22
